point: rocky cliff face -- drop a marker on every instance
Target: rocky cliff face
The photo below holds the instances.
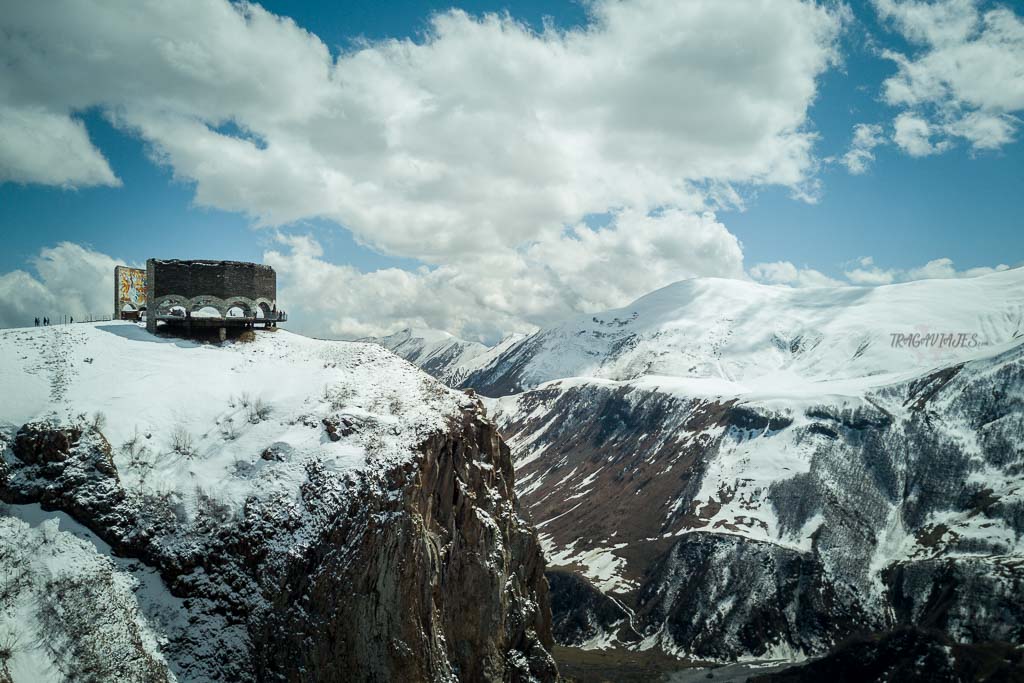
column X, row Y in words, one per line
column 907, row 654
column 440, row 582
column 739, row 527
column 425, row 573
column 377, row 539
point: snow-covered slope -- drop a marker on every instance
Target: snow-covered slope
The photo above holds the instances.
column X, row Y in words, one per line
column 193, row 412
column 297, row 498
column 754, row 334
column 438, row 353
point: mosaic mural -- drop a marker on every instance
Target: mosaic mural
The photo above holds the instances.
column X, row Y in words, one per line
column 130, row 284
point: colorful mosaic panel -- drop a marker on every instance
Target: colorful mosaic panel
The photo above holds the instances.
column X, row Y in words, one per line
column 131, row 287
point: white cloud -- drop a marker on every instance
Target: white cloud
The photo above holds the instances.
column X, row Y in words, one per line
column 482, row 135
column 479, row 150
column 785, row 273
column 963, row 78
column 866, row 136
column 37, row 146
column 70, row 280
column 582, row 269
column 913, row 135
column 862, row 272
column 869, row 274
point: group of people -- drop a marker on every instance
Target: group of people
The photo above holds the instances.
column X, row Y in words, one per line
column 45, row 322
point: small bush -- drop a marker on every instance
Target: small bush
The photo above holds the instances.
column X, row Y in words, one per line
column 132, row 446
column 10, row 643
column 210, row 512
column 396, row 405
column 228, row 429
column 258, row 411
column 138, row 455
column 98, row 422
column 181, row 442
column 338, row 396
column 14, row 570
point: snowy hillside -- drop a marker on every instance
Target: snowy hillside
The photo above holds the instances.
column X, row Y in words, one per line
column 761, row 335
column 253, row 485
column 212, row 407
column 189, row 414
column 433, row 351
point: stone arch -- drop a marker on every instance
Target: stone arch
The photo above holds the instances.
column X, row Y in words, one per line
column 263, row 309
column 239, row 308
column 197, row 303
column 170, row 305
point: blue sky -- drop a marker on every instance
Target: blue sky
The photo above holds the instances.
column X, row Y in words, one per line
column 958, row 201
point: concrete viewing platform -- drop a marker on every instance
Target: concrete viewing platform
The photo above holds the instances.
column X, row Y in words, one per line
column 198, row 294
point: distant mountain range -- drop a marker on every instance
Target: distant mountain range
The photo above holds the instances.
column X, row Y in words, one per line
column 726, row 469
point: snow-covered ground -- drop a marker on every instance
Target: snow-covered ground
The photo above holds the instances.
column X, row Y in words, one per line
column 59, row 576
column 192, row 417
column 202, row 427
column 434, row 351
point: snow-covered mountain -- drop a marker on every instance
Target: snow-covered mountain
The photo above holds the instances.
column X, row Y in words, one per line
column 285, row 509
column 731, row 469
column 439, row 353
column 726, row 469
column 745, row 335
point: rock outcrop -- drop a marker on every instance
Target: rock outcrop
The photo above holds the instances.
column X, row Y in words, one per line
column 421, row 572
column 909, row 655
column 737, row 527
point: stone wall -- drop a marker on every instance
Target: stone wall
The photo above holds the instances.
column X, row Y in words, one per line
column 198, row 284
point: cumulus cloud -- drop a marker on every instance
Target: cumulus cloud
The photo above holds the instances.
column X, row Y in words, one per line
column 913, row 135
column 38, row 146
column 580, row 269
column 480, row 149
column 866, row 136
column 69, row 279
column 479, row 136
column 867, row 273
column 962, row 77
column 862, row 272
column 785, row 273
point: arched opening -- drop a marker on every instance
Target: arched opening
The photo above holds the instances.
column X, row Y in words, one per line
column 263, row 310
column 239, row 310
column 206, row 312
column 170, row 307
